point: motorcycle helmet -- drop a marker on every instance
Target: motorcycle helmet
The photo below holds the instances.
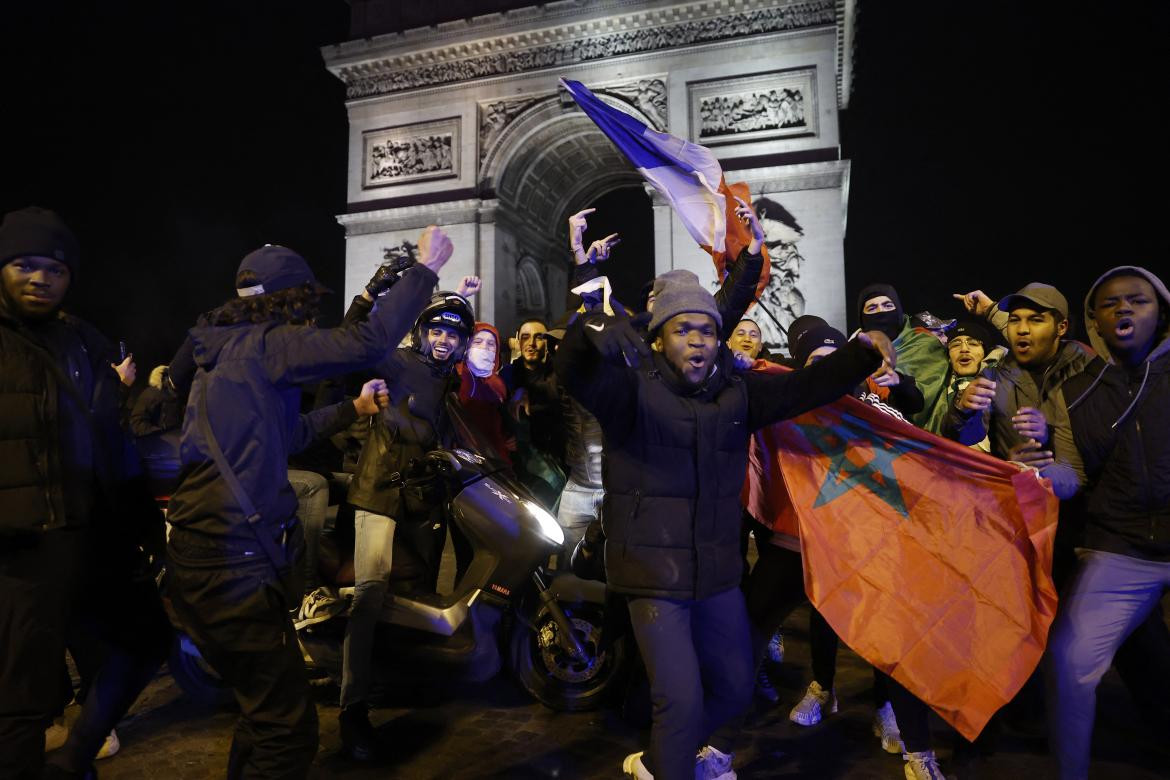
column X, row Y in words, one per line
column 448, row 309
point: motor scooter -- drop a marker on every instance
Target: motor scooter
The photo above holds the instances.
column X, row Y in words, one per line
column 508, row 604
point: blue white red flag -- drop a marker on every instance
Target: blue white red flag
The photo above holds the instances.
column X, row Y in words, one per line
column 686, row 174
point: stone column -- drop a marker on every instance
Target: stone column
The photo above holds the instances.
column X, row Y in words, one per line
column 663, row 232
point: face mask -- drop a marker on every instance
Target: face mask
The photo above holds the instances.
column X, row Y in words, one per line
column 888, row 322
column 481, row 360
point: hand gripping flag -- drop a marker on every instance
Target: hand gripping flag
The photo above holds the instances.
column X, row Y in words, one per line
column 930, row 560
column 685, row 173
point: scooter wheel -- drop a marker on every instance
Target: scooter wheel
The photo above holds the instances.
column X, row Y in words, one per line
column 196, row 678
column 552, row 676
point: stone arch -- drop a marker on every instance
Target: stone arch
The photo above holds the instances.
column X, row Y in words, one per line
column 548, row 162
column 530, row 291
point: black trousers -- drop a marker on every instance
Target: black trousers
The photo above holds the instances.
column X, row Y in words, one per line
column 774, row 588
column 238, row 618
column 698, row 658
column 81, row 587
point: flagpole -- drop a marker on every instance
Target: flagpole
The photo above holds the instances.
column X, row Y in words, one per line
column 764, row 309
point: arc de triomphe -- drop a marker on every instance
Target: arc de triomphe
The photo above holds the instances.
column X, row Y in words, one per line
column 464, row 125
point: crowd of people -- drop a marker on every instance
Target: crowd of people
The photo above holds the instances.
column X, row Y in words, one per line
column 631, row 421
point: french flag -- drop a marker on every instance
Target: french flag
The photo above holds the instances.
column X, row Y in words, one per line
column 685, row 173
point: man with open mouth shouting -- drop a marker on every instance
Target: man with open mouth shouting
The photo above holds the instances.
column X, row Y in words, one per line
column 677, row 423
column 1120, row 410
column 1019, row 404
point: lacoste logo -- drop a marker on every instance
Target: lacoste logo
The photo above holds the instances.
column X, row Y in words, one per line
column 596, row 326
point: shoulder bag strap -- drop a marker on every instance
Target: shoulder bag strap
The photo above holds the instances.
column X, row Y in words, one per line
column 275, row 555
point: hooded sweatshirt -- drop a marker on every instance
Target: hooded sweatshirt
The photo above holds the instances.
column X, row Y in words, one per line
column 483, row 397
column 249, row 377
column 1121, row 424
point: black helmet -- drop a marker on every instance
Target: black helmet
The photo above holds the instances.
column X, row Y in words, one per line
column 447, row 309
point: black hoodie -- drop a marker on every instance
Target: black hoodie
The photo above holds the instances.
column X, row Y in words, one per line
column 1121, row 424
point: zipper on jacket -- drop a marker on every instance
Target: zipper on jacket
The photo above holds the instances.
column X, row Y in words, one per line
column 1141, row 456
column 1145, row 472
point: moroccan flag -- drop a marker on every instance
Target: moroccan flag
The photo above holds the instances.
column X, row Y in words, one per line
column 932, row 561
column 686, row 174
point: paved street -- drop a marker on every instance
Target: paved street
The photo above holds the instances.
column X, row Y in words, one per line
column 496, row 731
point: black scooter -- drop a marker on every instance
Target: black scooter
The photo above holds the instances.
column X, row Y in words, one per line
column 507, row 604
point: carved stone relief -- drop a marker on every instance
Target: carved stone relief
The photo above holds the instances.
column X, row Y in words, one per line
column 397, row 74
column 770, row 105
column 646, row 94
column 496, row 115
column 410, row 153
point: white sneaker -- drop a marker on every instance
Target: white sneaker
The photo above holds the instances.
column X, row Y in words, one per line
column 885, row 726
column 633, row 767
column 714, row 764
column 809, row 710
column 776, row 648
column 56, row 734
column 110, row 746
column 923, row 766
column 319, row 606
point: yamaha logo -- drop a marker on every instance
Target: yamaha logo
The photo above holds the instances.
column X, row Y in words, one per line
column 500, row 494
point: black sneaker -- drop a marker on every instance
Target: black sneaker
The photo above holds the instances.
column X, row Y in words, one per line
column 358, row 738
column 764, row 687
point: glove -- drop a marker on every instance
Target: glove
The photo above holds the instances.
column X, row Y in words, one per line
column 387, row 274
column 615, row 339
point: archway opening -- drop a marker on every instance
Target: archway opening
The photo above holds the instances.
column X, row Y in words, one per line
column 626, row 211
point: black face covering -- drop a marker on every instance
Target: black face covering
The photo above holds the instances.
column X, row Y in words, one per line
column 888, row 322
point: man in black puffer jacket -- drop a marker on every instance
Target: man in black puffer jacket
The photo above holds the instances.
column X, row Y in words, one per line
column 230, row 574
column 676, row 438
column 75, row 512
column 1120, row 413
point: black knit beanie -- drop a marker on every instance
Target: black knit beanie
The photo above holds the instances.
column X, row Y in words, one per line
column 37, row 232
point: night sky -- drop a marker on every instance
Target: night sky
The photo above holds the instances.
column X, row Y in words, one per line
column 991, row 146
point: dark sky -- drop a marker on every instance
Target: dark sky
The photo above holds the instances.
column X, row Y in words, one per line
column 992, row 144
column 995, row 144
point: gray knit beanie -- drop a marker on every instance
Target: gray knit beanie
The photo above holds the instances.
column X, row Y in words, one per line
column 681, row 295
column 678, row 276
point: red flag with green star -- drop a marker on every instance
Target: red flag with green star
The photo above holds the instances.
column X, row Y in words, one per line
column 932, row 561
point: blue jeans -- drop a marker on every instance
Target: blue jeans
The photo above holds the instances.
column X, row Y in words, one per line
column 373, row 548
column 580, row 505
column 312, row 491
column 698, row 656
column 1110, row 595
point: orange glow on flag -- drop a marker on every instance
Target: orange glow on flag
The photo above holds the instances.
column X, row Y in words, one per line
column 738, row 234
column 932, row 561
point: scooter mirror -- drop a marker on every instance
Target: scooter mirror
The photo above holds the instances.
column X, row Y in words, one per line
column 442, row 456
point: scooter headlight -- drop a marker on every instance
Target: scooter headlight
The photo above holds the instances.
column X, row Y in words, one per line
column 548, row 524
